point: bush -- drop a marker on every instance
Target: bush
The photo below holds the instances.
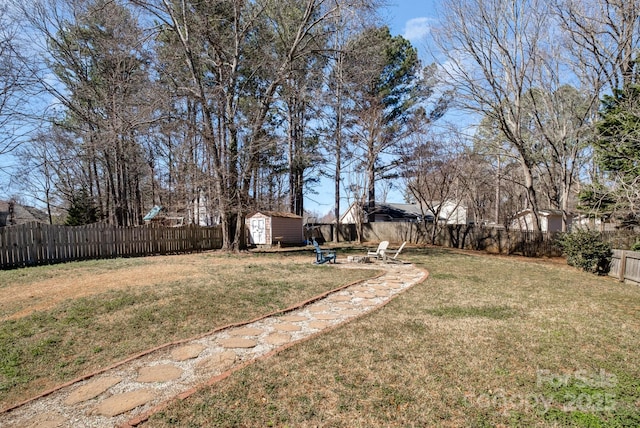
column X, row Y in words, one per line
column 586, row 250
column 636, row 246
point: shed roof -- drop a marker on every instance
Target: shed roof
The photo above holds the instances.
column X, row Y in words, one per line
column 542, row 212
column 276, row 214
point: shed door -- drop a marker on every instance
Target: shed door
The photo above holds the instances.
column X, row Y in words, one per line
column 258, row 231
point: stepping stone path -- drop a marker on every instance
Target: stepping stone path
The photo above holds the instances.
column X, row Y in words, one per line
column 129, row 392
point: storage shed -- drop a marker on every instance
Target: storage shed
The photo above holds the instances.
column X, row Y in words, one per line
column 274, row 228
column 550, row 220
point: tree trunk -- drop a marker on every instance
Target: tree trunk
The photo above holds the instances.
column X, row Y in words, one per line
column 532, row 197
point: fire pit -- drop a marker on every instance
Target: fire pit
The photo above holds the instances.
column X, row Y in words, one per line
column 358, row 259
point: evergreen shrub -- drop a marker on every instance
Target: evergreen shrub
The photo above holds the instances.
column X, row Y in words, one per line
column 586, row 250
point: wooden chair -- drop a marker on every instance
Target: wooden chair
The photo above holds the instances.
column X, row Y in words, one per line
column 379, row 252
column 394, row 259
column 323, row 256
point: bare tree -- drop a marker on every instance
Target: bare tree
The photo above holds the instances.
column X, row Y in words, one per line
column 603, row 37
column 299, row 93
column 98, row 73
column 16, row 87
column 493, row 51
column 238, row 55
column 355, row 190
column 491, row 153
column 433, row 169
column 352, row 20
column 483, row 187
column 562, row 126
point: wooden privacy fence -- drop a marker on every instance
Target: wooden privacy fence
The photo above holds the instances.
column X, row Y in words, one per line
column 35, row 243
column 492, row 240
column 625, row 265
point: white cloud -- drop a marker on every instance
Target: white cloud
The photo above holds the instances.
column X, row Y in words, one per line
column 417, row 28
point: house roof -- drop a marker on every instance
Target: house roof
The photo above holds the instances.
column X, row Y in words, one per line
column 544, row 212
column 153, row 213
column 396, row 210
column 21, row 214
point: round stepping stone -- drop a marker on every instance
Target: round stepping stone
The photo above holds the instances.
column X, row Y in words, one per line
column 293, row 318
column 319, row 308
column 365, row 295
column 46, row 420
column 367, row 302
column 343, row 305
column 339, row 298
column 91, row 390
column 278, row 339
column 287, row 327
column 381, row 293
column 159, row 373
column 120, row 403
column 327, row 316
column 246, row 331
column 187, row 352
column 319, row 325
column 219, row 362
column 237, row 342
column 350, row 312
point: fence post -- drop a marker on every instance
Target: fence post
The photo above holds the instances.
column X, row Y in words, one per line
column 623, row 266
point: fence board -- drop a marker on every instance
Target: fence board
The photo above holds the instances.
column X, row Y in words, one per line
column 632, row 268
column 34, row 243
column 625, row 266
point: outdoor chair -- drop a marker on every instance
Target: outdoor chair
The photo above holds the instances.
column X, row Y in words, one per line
column 379, row 252
column 394, row 259
column 323, row 256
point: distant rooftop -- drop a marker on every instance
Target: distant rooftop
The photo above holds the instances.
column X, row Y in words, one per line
column 20, row 214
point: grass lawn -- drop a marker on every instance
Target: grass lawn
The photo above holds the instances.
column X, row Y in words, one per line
column 60, row 322
column 485, row 341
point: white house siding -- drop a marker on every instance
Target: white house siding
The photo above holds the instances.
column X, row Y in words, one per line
column 523, row 222
column 454, row 213
column 549, row 221
column 349, row 217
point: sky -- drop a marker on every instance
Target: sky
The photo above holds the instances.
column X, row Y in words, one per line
column 411, row 19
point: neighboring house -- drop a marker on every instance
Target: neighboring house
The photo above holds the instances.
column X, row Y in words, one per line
column 157, row 215
column 450, row 213
column 202, row 214
column 550, row 220
column 12, row 213
column 274, row 228
column 385, row 212
column 199, row 214
column 592, row 223
column 453, row 213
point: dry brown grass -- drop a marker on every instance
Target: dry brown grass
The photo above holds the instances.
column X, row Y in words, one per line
column 486, row 341
column 60, row 322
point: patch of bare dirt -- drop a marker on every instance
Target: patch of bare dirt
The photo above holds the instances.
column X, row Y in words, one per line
column 45, row 294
